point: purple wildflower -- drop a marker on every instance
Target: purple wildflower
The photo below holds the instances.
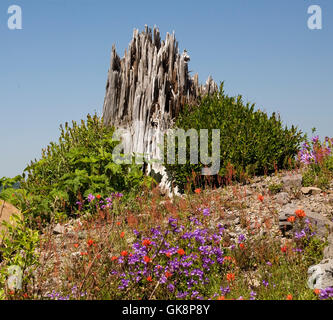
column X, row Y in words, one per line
column 206, row 212
column 91, row 197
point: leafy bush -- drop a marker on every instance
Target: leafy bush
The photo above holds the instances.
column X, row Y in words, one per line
column 250, row 141
column 78, row 165
column 17, row 254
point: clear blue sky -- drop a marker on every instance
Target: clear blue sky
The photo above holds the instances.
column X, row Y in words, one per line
column 55, row 69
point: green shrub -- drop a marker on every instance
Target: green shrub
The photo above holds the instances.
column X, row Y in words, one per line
column 308, row 178
column 250, row 141
column 18, row 254
column 275, row 188
column 78, row 165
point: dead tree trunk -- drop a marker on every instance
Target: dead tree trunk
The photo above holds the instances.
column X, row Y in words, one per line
column 146, row 90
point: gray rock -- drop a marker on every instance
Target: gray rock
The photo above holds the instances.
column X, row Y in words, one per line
column 232, row 234
column 311, row 190
column 282, row 198
column 249, row 193
column 237, row 221
column 82, row 235
column 285, row 226
column 59, row 229
column 323, row 226
column 328, row 251
column 291, row 182
column 321, row 275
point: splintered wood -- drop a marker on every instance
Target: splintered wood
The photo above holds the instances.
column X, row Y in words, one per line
column 147, row 88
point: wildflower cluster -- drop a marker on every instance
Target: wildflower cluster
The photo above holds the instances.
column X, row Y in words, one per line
column 315, row 152
column 180, row 261
column 326, row 293
column 304, row 230
column 74, row 295
column 98, row 202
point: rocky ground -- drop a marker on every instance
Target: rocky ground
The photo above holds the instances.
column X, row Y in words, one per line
column 264, row 204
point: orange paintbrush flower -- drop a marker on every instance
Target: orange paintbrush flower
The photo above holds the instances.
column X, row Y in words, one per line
column 146, row 259
column 181, row 252
column 124, row 253
column 300, row 214
column 230, row 277
column 291, row 219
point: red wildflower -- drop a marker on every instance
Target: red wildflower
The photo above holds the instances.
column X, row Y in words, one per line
column 181, row 252
column 168, row 274
column 124, row 253
column 284, row 249
column 84, row 253
column 90, row 242
column 150, row 279
column 230, row 277
column 291, row 219
column 146, row 242
column 146, row 259
column 316, row 291
column 261, row 198
column 98, row 196
column 122, row 235
column 221, row 298
column 242, row 246
column 168, row 254
column 289, row 297
column 76, row 245
column 114, row 258
column 300, row 214
column 230, row 259
column 197, row 191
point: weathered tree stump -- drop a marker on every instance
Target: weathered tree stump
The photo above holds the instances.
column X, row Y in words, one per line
column 146, row 90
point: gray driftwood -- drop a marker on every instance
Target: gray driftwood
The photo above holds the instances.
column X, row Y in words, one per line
column 146, row 90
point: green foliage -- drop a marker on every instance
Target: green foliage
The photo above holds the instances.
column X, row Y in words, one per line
column 251, row 142
column 313, row 250
column 308, row 178
column 275, row 188
column 79, row 164
column 18, row 250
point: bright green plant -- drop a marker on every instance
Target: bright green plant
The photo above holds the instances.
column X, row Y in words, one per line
column 80, row 164
column 18, row 251
column 250, row 141
column 275, row 188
